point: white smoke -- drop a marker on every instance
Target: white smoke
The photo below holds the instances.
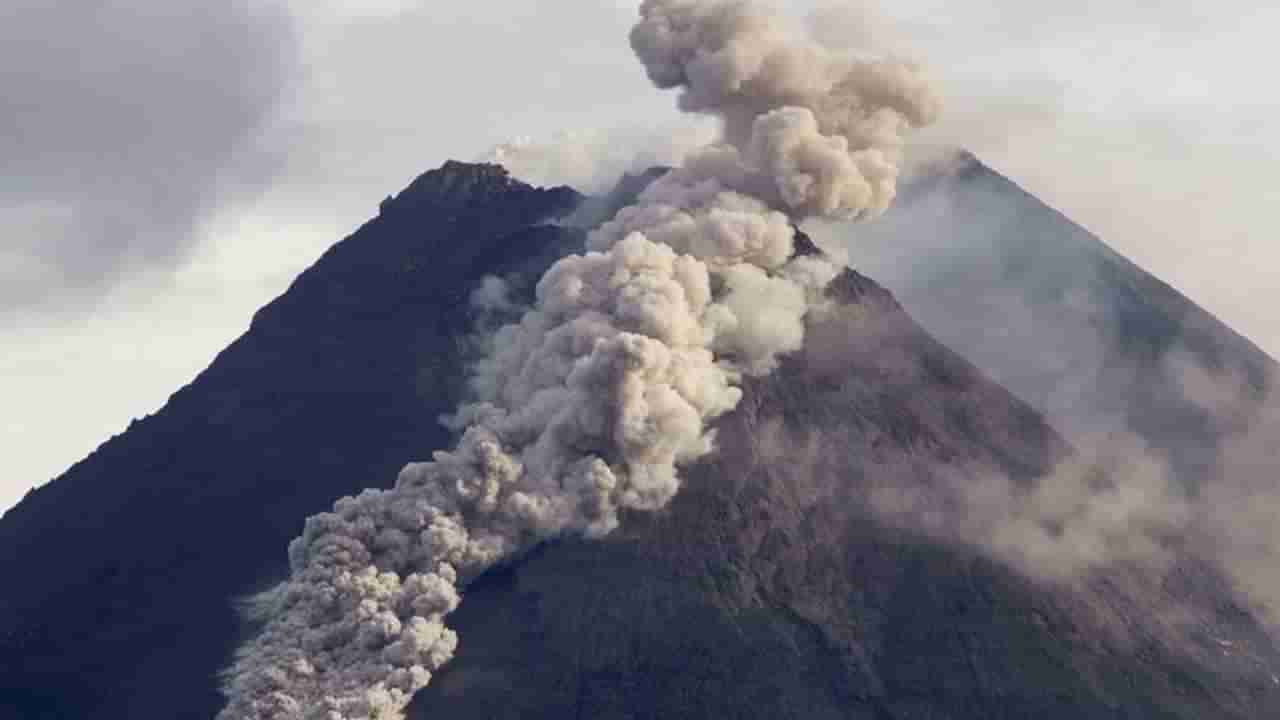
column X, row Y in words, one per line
column 493, row 296
column 1112, row 504
column 606, row 386
column 593, row 161
column 1238, row 506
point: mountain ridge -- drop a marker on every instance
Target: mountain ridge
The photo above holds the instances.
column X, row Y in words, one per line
column 1053, row 312
column 126, row 544
column 132, row 559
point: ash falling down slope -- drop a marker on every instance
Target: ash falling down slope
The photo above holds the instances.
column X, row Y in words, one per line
column 701, row 470
column 589, row 403
column 1061, row 319
column 770, row 587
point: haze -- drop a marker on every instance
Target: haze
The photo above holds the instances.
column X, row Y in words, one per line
column 172, row 167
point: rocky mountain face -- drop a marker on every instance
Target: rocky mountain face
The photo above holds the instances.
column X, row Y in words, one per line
column 770, row 588
column 123, row 571
column 1052, row 313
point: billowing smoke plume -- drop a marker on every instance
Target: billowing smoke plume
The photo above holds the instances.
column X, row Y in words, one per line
column 605, row 387
column 1238, row 507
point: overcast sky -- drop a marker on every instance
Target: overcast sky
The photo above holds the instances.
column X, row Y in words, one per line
column 170, row 165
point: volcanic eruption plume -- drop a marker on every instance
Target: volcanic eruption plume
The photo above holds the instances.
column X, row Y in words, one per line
column 594, row 399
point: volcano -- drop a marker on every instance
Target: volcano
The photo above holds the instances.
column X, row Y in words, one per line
column 769, row 588
column 1051, row 312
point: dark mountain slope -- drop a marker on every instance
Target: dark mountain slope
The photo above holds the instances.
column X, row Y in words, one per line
column 767, row 589
column 1054, row 314
column 121, row 572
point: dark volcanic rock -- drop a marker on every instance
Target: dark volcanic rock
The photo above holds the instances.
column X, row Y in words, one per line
column 122, row 572
column 766, row 590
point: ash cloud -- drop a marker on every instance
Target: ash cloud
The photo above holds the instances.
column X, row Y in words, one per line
column 1109, row 501
column 594, row 161
column 608, row 384
column 1111, row 504
column 1239, row 522
column 124, row 125
column 1113, row 509
column 1041, row 91
column 1119, row 503
column 1172, row 416
column 494, row 295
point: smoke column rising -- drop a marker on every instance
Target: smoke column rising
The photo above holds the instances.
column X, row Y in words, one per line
column 605, row 387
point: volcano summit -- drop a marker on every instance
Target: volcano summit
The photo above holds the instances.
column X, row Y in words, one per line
column 684, row 462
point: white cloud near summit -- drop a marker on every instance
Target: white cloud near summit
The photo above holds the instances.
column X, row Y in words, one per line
column 1145, row 122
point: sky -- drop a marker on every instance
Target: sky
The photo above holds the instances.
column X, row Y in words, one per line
column 171, row 165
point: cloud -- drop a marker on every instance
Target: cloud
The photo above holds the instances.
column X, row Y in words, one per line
column 1239, row 504
column 1141, row 122
column 592, row 161
column 123, row 126
column 1113, row 504
column 592, row 402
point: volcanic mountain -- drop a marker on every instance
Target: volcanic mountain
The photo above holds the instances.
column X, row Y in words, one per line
column 769, row 588
column 1051, row 312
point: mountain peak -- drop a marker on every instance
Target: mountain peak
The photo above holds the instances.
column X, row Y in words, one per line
column 457, row 185
column 768, row 589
